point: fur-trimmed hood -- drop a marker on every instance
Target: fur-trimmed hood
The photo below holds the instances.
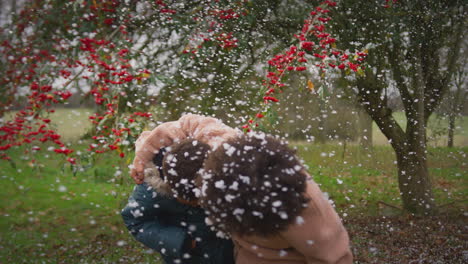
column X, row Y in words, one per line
column 153, row 179
column 152, row 174
column 205, row 129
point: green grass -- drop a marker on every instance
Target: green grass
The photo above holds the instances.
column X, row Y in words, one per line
column 50, row 214
column 70, row 123
column 359, row 181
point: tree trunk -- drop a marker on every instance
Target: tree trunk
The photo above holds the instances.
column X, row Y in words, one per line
column 456, row 105
column 322, row 136
column 451, row 130
column 410, row 148
column 413, row 174
column 414, row 182
column 2, row 19
column 13, row 10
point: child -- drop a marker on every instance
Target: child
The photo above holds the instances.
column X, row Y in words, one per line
column 163, row 214
column 204, row 129
column 182, row 165
column 257, row 190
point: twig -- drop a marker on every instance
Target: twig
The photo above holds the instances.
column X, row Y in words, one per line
column 389, row 205
column 447, row 204
column 344, row 151
column 82, row 70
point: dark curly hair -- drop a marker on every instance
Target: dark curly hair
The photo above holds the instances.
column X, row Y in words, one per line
column 253, row 185
column 181, row 164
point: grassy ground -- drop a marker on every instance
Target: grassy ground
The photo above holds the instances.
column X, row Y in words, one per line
column 72, row 123
column 50, row 215
column 357, row 179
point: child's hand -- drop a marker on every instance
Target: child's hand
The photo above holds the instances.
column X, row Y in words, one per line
column 137, row 171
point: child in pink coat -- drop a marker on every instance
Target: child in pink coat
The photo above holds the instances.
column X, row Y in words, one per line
column 205, row 129
column 257, row 190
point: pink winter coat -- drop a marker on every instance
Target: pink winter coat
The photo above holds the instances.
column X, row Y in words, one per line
column 316, row 237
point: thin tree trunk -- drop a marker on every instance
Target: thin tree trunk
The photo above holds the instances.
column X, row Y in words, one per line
column 322, row 133
column 451, row 130
column 2, row 7
column 456, row 106
column 13, row 9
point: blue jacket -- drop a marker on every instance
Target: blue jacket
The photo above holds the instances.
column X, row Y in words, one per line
column 162, row 223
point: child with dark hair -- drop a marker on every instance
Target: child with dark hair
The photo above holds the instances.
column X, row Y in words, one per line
column 204, row 129
column 163, row 213
column 181, row 165
column 257, row 190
